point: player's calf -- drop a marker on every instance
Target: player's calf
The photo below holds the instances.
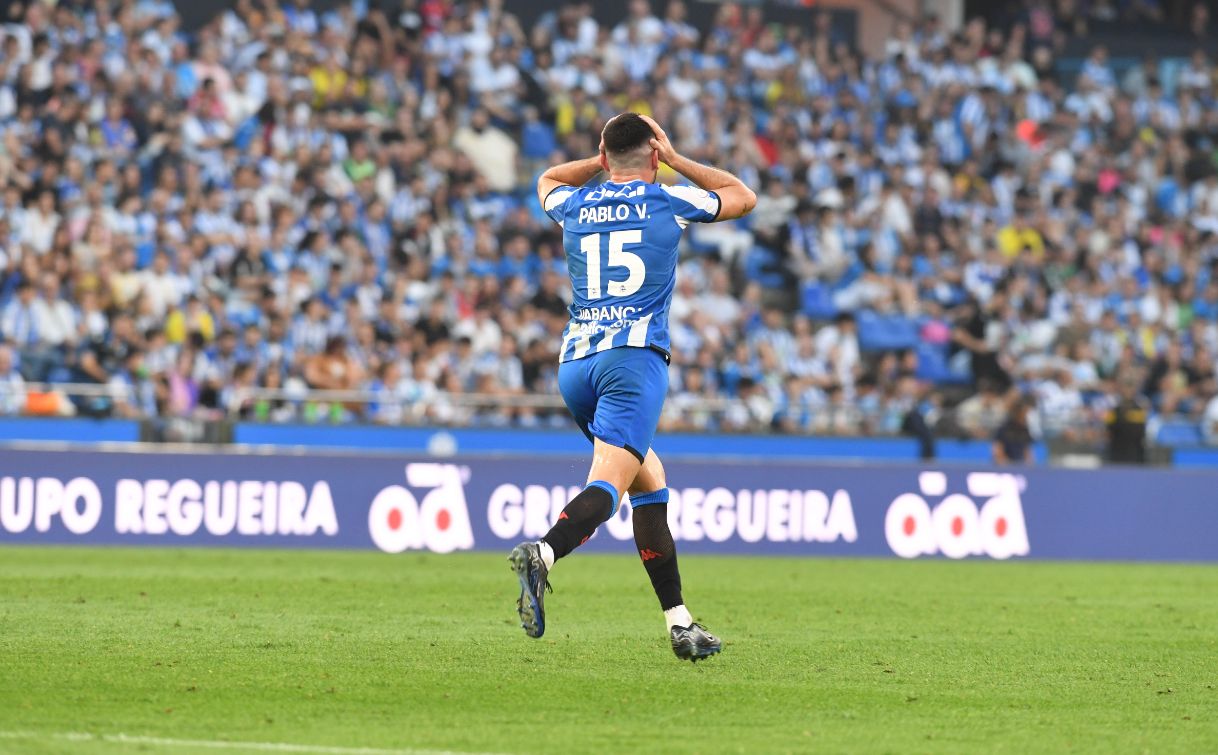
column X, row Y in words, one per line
column 586, row 511
column 652, row 537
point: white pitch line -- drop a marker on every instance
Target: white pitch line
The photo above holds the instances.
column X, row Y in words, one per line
column 220, row 744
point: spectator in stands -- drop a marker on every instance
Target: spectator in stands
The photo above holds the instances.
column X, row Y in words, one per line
column 752, row 407
column 1013, row 441
column 491, row 151
column 238, row 396
column 182, row 391
column 980, row 415
column 1209, row 422
column 1199, row 21
column 1061, row 405
column 39, row 223
column 132, row 391
column 12, row 385
column 1126, row 422
column 386, row 407
column 21, row 327
column 982, row 333
column 916, row 417
column 334, row 368
column 303, row 173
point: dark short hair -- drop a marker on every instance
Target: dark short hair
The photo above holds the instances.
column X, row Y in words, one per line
column 627, row 132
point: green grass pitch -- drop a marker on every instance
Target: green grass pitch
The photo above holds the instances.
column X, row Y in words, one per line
column 421, row 652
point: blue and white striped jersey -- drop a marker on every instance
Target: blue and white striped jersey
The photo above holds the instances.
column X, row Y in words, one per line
column 621, row 246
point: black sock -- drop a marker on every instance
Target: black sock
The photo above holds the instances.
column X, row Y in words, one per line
column 581, row 517
column 659, row 553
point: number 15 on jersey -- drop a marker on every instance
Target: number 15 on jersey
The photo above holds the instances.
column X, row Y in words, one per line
column 590, row 245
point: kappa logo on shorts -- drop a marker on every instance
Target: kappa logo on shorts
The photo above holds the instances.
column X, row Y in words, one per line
column 397, row 521
column 648, row 554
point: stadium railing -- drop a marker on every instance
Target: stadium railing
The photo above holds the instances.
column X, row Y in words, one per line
column 373, row 407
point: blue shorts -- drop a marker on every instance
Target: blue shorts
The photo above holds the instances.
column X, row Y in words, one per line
column 616, row 395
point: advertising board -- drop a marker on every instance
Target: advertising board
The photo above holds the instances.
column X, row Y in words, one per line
column 398, row 504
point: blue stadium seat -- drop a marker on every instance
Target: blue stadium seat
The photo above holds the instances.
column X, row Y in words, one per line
column 1179, row 433
column 886, row 332
column 818, row 301
column 935, row 367
column 761, row 265
column 698, row 246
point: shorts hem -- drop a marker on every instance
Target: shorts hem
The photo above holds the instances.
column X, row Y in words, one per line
column 622, row 444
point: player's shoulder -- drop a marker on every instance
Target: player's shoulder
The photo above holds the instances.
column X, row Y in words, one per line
column 692, row 202
column 559, row 196
column 685, row 192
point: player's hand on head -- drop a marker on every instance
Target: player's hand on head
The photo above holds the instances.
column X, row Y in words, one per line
column 661, row 142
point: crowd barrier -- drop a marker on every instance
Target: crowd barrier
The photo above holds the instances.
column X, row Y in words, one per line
column 432, row 440
column 398, row 504
column 548, row 442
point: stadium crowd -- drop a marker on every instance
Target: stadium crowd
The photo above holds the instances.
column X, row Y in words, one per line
column 292, row 198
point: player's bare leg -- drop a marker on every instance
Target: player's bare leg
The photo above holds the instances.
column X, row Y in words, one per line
column 613, row 470
column 652, row 537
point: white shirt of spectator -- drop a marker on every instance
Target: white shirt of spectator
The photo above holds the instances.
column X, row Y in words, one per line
column 38, row 230
column 163, row 291
column 1192, row 77
column 20, row 324
column 484, row 333
column 56, row 321
column 649, row 30
column 12, row 393
column 1209, row 422
column 492, row 152
column 485, row 77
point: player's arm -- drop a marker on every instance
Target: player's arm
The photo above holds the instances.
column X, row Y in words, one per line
column 574, row 173
column 735, row 199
